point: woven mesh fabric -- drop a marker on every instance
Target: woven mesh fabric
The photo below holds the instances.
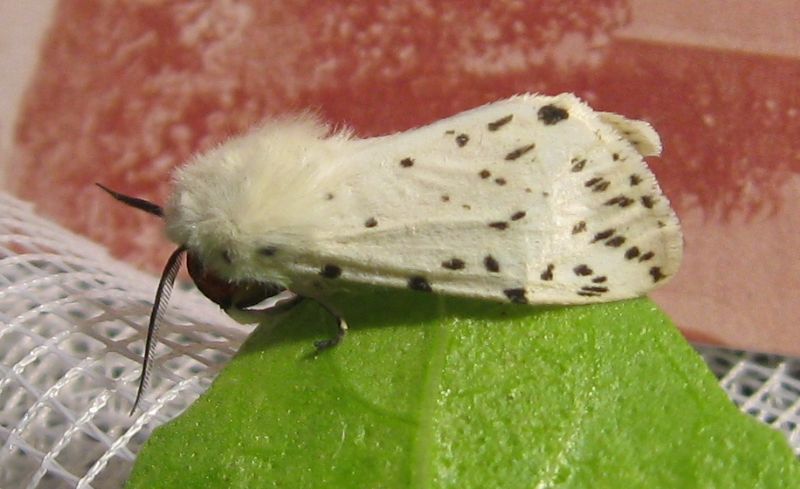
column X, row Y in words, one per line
column 763, row 385
column 72, row 325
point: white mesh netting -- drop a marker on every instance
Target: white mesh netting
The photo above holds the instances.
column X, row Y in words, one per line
column 72, row 324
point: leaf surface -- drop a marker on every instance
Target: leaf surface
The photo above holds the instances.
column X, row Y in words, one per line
column 431, row 392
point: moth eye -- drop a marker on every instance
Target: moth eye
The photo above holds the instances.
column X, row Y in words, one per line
column 240, row 294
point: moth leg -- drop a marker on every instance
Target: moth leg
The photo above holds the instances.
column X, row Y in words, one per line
column 285, row 305
column 256, row 315
column 341, row 332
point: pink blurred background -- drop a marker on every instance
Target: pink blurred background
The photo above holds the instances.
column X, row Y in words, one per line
column 121, row 92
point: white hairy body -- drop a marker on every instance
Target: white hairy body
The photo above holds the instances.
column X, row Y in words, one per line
column 553, row 204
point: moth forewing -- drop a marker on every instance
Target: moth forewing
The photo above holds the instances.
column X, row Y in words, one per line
column 532, row 199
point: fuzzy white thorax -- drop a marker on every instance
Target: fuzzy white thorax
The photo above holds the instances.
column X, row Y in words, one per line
column 265, row 184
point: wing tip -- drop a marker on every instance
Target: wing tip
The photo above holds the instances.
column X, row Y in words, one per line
column 642, row 136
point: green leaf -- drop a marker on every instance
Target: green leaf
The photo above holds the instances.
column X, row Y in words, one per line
column 431, row 392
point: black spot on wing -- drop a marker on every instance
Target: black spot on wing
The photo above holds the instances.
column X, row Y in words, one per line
column 407, row 162
column 603, row 235
column 583, row 270
column 462, row 140
column 552, row 114
column 616, row 241
column 517, row 215
column 593, row 181
column 493, row 126
column 267, row 251
column 657, row 274
column 648, row 201
column 548, row 273
column 517, row 153
column 491, row 264
column 484, row 173
column 453, row 264
column 594, row 288
column 579, row 227
column 516, row 296
column 635, row 180
column 330, row 271
column 632, row 252
column 647, row 256
column 499, row 225
column 602, row 186
column 619, row 200
column 371, row 222
column 597, row 184
column 419, row 283
column 599, row 280
column 578, row 164
column 500, row 181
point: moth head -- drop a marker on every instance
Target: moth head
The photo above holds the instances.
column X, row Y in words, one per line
column 239, row 294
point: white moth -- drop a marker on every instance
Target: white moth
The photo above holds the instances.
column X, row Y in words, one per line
column 533, row 200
